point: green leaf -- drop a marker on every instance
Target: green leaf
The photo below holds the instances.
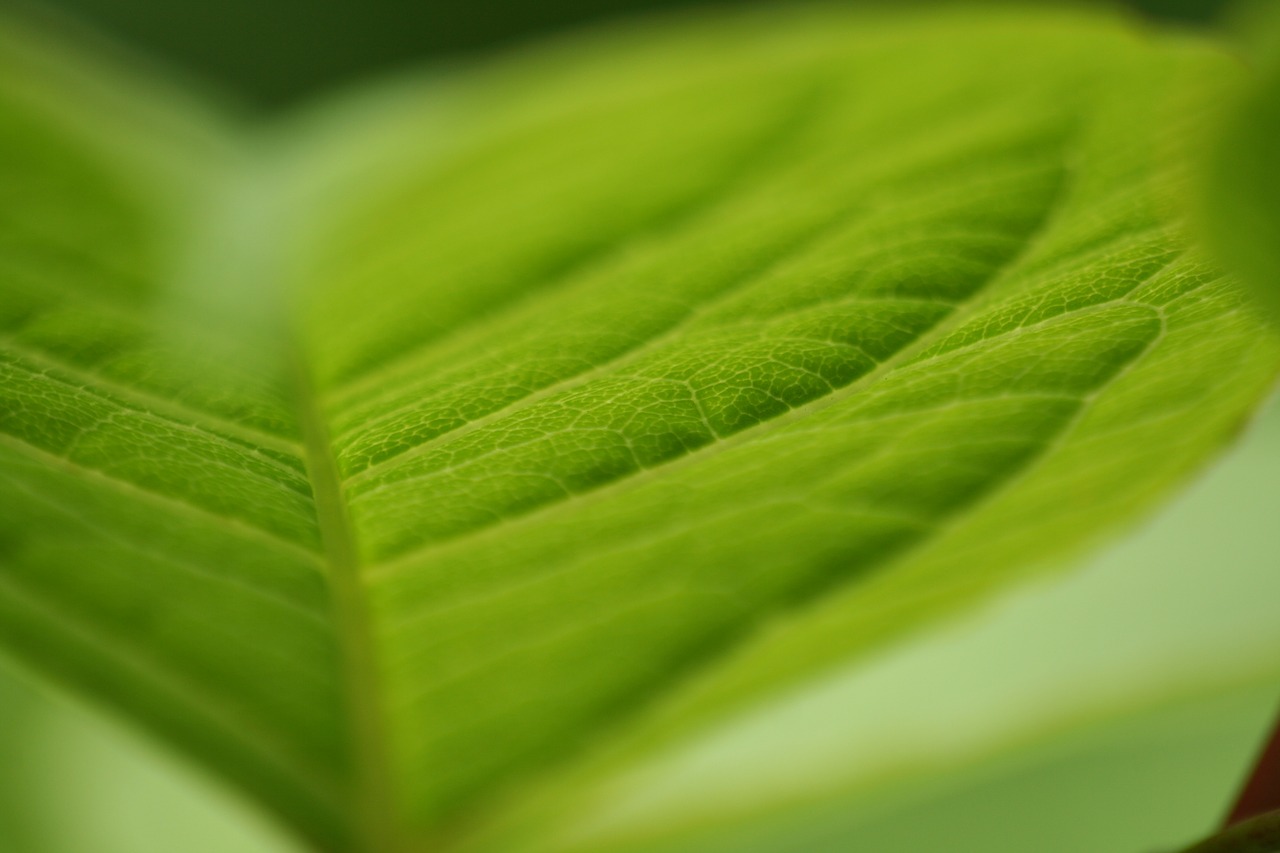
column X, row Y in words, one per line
column 406, row 459
column 1242, row 188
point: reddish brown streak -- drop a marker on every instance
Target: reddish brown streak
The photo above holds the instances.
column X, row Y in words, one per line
column 1261, row 793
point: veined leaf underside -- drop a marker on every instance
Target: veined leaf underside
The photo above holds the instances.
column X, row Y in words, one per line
column 646, row 396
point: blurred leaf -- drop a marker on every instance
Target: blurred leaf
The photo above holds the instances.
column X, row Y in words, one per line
column 1139, row 781
column 535, row 418
column 1242, row 197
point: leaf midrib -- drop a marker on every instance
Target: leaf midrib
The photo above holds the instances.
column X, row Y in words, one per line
column 258, row 183
column 376, row 826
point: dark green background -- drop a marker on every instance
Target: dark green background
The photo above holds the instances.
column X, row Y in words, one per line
column 274, row 52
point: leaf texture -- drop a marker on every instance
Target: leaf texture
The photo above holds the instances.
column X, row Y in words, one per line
column 638, row 378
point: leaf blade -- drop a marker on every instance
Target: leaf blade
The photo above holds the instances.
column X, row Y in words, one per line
column 772, row 354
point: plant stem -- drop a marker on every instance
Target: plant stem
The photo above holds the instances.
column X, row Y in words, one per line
column 1261, row 793
column 1253, row 826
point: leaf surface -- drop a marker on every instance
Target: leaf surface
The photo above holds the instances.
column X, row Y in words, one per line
column 395, row 459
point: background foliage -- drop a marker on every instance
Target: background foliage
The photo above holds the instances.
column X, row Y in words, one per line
column 274, row 52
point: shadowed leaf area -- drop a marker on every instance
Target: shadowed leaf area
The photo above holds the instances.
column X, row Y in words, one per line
column 402, row 456
column 1241, row 192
